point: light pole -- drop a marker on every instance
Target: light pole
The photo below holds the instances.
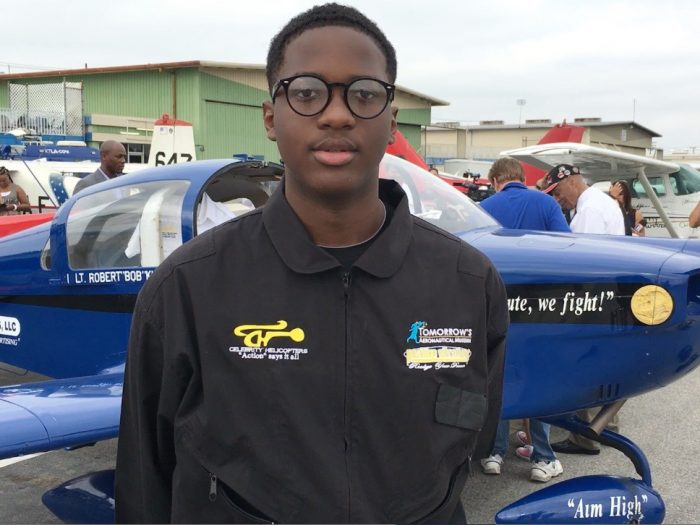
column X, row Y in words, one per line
column 520, row 102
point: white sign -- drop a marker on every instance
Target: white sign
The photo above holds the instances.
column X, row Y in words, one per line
column 9, row 326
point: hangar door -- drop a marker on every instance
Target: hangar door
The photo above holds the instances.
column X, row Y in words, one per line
column 235, row 128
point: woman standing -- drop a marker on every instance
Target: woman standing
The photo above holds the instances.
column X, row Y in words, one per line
column 634, row 220
column 13, row 199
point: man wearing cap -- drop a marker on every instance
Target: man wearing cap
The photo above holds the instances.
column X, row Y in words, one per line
column 595, row 212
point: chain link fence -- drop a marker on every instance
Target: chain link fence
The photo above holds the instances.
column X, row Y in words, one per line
column 45, row 109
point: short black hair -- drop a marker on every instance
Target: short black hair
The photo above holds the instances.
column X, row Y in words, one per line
column 323, row 16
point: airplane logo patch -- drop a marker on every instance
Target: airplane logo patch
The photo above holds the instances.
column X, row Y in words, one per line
column 256, row 338
column 442, row 351
column 259, row 335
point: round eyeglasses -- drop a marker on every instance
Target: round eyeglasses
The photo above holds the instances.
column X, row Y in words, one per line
column 309, row 95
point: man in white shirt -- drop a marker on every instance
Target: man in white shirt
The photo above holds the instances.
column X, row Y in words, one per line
column 595, row 211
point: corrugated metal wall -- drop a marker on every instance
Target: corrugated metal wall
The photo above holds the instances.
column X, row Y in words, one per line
column 133, row 93
column 233, row 128
column 412, row 134
column 233, row 119
column 137, row 93
column 414, row 116
column 226, row 115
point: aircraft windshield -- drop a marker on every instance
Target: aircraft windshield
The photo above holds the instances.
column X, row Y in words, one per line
column 434, row 200
column 685, row 181
column 137, row 225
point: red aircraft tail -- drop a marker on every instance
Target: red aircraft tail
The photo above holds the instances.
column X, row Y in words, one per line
column 559, row 133
column 402, row 148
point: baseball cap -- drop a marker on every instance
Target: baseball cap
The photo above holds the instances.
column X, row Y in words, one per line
column 557, row 174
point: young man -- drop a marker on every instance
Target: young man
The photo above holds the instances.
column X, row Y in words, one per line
column 278, row 369
column 112, row 160
column 517, row 207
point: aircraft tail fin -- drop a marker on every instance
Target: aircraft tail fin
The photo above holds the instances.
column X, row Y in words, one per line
column 173, row 142
column 402, row 148
column 558, row 133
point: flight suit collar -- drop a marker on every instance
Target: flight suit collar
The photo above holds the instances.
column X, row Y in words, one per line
column 292, row 242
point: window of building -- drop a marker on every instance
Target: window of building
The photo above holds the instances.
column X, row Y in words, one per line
column 137, row 153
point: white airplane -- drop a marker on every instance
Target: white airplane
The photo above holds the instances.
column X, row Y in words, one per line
column 665, row 192
column 49, row 183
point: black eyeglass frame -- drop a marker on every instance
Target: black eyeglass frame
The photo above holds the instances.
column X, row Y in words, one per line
column 285, row 82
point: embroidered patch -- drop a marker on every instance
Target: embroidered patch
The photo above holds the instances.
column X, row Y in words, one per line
column 256, row 338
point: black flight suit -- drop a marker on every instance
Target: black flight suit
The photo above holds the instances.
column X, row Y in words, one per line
column 265, row 383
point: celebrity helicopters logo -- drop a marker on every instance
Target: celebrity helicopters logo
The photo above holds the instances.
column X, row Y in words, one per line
column 442, row 352
column 257, row 337
column 260, row 334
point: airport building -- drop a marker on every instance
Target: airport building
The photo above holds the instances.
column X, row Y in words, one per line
column 487, row 139
column 222, row 101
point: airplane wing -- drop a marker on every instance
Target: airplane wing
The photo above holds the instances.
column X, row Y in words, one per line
column 48, row 415
column 13, row 223
column 595, row 163
column 600, row 164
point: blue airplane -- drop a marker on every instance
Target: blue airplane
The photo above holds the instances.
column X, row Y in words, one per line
column 595, row 320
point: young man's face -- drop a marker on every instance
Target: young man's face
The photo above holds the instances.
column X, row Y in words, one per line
column 333, row 154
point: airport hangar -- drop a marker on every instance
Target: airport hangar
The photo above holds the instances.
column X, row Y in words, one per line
column 484, row 141
column 222, row 101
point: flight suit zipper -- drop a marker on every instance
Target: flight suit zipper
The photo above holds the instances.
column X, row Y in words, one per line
column 213, row 494
column 212, row 487
column 346, row 437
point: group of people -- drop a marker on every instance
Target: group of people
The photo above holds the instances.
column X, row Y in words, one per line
column 14, row 200
column 590, row 211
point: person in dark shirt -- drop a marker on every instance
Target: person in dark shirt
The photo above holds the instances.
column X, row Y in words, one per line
column 272, row 375
column 13, row 199
column 112, row 162
column 634, row 219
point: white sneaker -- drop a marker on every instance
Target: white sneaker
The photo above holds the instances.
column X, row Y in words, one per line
column 543, row 471
column 492, row 464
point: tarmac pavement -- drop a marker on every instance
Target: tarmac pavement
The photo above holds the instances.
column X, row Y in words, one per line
column 664, row 423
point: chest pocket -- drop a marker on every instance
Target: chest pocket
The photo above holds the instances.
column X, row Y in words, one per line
column 460, row 408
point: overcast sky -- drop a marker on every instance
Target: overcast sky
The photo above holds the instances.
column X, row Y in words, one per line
column 610, row 59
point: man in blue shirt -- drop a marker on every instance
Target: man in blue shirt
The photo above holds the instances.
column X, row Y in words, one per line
column 517, row 207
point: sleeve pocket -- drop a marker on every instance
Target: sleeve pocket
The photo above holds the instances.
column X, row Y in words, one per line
column 460, row 408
